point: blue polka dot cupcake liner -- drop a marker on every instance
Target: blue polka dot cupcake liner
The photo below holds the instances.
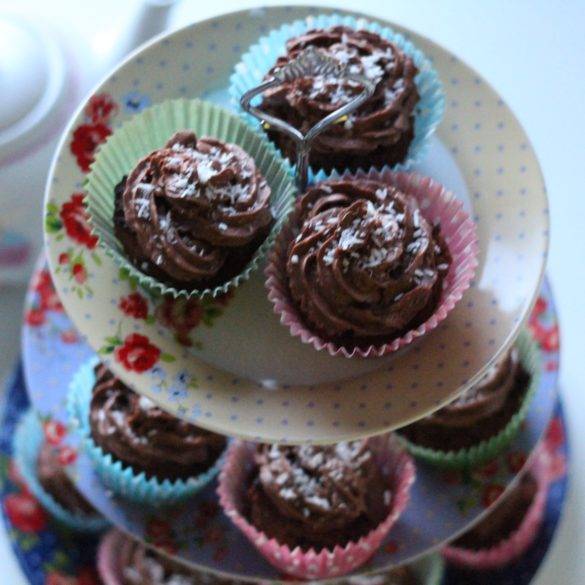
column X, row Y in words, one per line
column 148, row 131
column 28, row 440
column 261, row 56
column 490, row 448
column 116, row 475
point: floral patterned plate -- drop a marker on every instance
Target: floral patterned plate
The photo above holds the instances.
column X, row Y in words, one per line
column 198, row 532
column 229, row 365
column 50, row 555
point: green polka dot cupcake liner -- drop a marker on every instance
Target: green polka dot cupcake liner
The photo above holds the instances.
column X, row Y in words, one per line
column 490, row 448
column 122, row 479
column 261, row 56
column 28, row 440
column 148, row 131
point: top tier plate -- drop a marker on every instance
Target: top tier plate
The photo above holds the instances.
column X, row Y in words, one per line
column 244, row 375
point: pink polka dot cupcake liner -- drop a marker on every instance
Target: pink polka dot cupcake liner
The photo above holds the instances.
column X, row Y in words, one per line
column 515, row 545
column 396, row 466
column 438, row 206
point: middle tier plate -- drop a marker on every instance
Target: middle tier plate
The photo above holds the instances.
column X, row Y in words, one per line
column 442, row 504
column 244, row 375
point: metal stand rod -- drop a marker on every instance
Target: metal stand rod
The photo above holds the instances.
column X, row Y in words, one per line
column 310, row 63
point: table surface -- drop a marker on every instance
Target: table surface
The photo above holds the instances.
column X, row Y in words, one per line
column 533, row 53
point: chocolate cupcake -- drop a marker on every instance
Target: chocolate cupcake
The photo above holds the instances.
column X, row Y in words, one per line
column 192, row 214
column 55, row 481
column 142, row 436
column 380, row 132
column 317, row 497
column 46, row 476
column 316, row 512
column 140, row 452
column 368, row 263
column 366, row 266
column 504, row 519
column 481, row 422
column 479, row 413
column 124, row 561
column 510, row 527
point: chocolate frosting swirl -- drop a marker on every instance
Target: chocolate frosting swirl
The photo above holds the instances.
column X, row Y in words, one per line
column 317, row 495
column 366, row 264
column 55, row 481
column 380, row 131
column 138, row 433
column 482, row 400
column 193, row 211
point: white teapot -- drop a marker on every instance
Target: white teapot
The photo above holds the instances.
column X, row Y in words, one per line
column 41, row 82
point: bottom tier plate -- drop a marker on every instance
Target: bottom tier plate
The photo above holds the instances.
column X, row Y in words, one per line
column 48, row 553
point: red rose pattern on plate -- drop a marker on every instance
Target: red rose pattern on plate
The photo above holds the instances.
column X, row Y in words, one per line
column 86, row 138
column 45, row 299
column 183, row 316
column 136, row 353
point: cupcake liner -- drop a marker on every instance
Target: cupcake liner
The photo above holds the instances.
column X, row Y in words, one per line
column 429, row 570
column 116, row 475
column 491, row 448
column 150, row 130
column 109, row 569
column 439, row 206
column 28, row 439
column 260, row 58
column 397, row 467
column 518, row 542
column 436, row 570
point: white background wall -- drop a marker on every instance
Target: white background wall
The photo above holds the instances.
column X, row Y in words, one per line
column 533, row 53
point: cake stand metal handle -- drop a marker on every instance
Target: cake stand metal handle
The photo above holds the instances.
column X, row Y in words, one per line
column 310, row 63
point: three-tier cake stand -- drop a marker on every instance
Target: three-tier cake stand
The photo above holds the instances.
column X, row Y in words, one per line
column 221, row 372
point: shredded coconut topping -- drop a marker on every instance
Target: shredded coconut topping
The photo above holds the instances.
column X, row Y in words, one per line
column 299, row 472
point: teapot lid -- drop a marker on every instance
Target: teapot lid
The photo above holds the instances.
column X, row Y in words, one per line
column 33, row 73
